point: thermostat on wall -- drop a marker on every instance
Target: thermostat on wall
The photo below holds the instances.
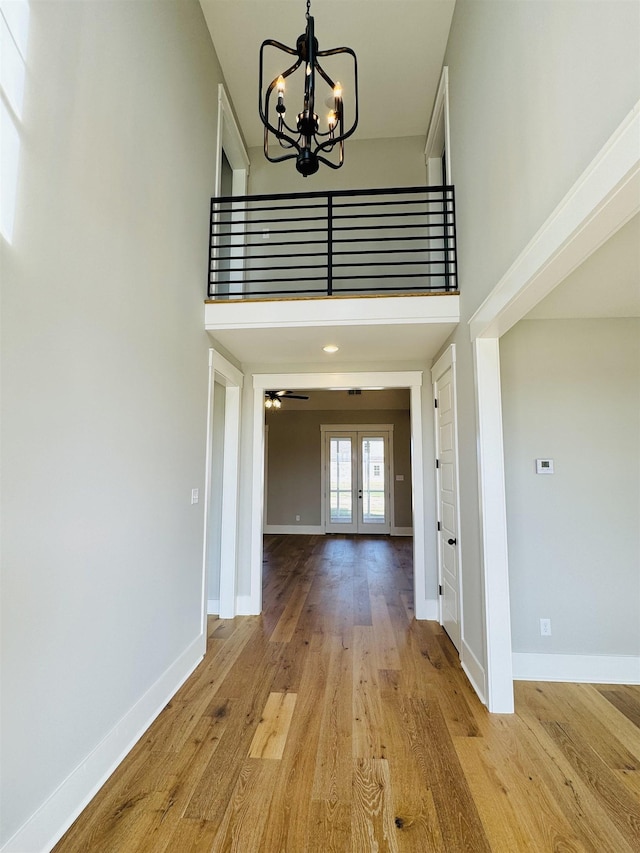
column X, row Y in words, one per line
column 544, row 466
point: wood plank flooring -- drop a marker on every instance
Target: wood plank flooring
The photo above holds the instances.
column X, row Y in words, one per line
column 336, row 722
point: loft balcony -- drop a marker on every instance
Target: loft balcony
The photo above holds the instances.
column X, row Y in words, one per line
column 345, row 242
column 322, row 259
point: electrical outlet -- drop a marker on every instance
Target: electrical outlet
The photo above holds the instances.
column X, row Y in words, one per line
column 545, row 627
column 297, row 518
column 195, row 496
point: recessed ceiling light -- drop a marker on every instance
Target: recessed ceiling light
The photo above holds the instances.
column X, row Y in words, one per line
column 331, row 348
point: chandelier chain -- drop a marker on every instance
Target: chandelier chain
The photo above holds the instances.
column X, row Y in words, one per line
column 308, row 9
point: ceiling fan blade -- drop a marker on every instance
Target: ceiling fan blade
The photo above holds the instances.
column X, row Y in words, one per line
column 294, row 397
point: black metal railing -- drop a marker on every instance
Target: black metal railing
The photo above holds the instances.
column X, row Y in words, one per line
column 332, row 243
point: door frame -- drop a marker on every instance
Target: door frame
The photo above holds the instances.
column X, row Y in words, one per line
column 229, row 140
column 411, row 379
column 448, row 361
column 232, row 379
column 356, row 428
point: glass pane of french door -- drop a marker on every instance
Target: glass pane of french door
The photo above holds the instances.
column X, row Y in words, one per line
column 341, row 480
column 373, row 466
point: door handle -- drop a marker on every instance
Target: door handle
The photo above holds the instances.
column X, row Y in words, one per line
column 451, row 541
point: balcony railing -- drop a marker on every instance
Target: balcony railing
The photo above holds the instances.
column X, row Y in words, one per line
column 344, row 242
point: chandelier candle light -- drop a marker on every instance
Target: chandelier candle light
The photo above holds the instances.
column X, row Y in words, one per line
column 306, row 141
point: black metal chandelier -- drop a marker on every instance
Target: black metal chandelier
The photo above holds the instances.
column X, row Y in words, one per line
column 306, row 141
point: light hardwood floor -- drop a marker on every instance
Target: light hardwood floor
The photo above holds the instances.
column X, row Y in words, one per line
column 336, row 722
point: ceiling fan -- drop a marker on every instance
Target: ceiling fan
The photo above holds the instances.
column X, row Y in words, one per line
column 273, row 399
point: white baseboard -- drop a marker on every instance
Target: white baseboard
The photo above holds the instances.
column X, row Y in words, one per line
column 427, row 609
column 284, row 529
column 245, row 606
column 402, row 531
column 596, row 669
column 474, row 672
column 432, row 609
column 49, row 823
column 317, row 529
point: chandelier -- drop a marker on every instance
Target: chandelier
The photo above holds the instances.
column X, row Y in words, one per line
column 308, row 141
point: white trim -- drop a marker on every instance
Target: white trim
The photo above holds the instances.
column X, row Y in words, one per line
column 208, row 485
column 448, row 361
column 49, row 823
column 226, row 374
column 474, row 671
column 257, row 498
column 401, row 531
column 421, row 600
column 439, row 125
column 265, row 485
column 229, row 140
column 602, row 200
column 332, row 311
column 213, row 607
column 590, row 669
column 411, row 379
column 287, row 529
column 493, row 525
column 230, row 495
column 331, row 381
column 431, row 609
column 244, row 605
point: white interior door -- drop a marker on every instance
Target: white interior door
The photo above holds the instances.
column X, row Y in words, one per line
column 448, row 507
column 357, row 482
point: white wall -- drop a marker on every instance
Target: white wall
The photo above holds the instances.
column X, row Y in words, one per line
column 105, row 366
column 535, row 91
column 571, row 391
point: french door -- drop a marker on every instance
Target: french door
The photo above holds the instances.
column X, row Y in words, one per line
column 357, row 493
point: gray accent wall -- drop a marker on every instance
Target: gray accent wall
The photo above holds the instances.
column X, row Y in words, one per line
column 368, row 163
column 294, row 466
column 571, row 392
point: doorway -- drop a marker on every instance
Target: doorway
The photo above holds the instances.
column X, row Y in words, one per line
column 446, row 433
column 331, row 381
column 356, row 478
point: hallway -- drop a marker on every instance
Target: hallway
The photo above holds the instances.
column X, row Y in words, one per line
column 335, row 722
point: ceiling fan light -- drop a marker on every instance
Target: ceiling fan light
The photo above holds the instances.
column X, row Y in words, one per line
column 277, row 403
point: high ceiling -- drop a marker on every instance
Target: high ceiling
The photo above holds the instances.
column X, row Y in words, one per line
column 400, row 46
